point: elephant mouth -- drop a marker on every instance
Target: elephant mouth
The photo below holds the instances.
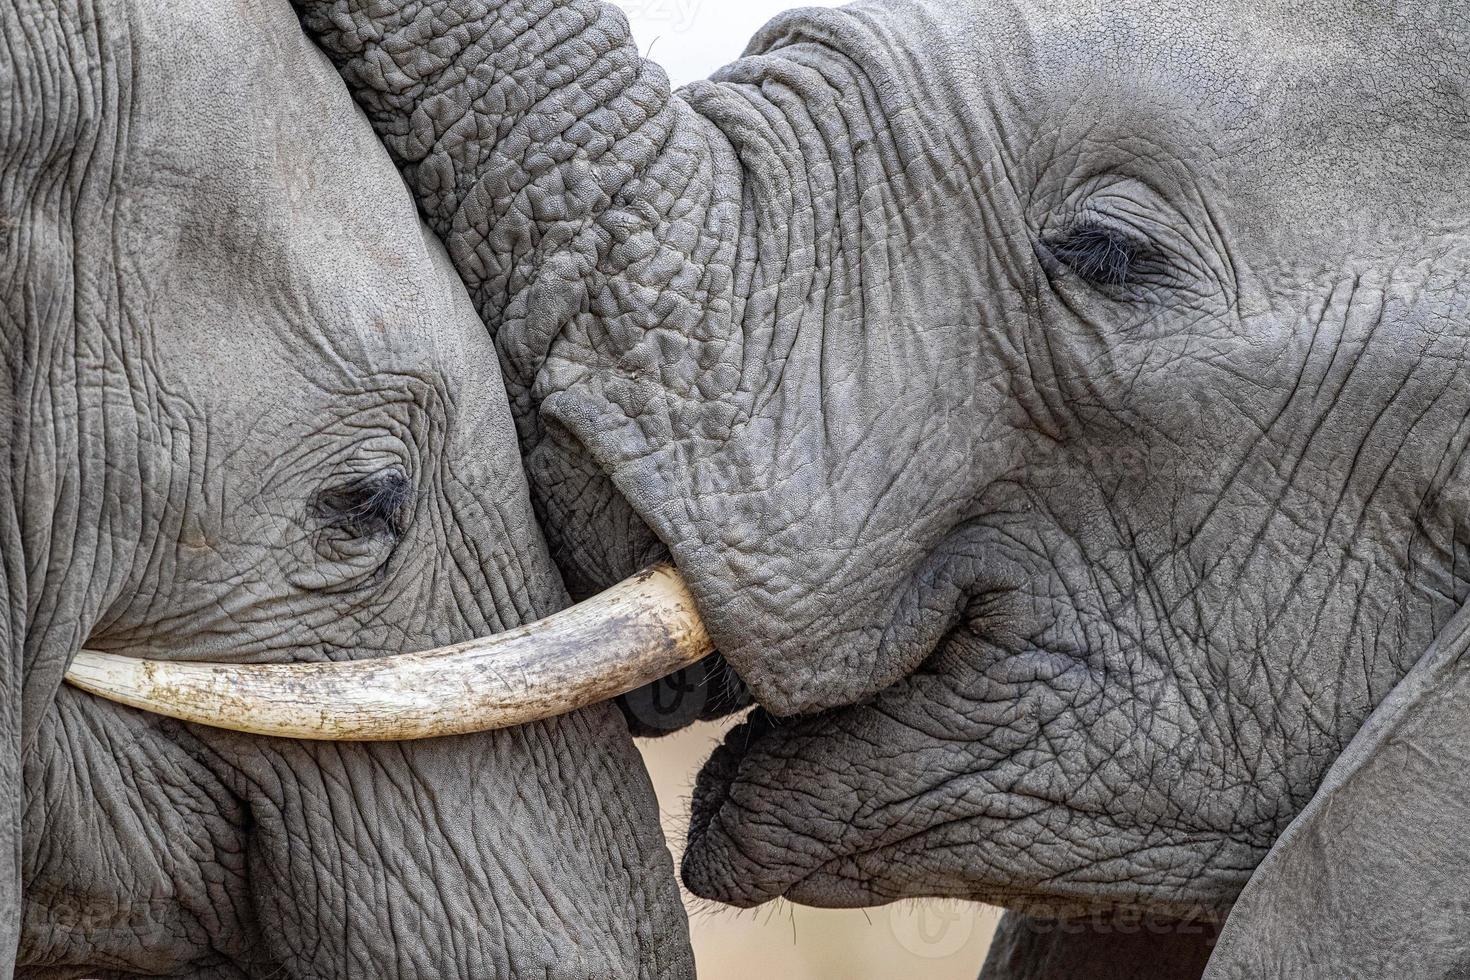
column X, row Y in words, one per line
column 746, row 784
column 845, row 807
column 712, row 793
column 771, row 816
column 787, row 808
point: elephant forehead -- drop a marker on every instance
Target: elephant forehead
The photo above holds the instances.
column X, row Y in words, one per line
column 262, row 204
column 1303, row 113
column 1311, row 114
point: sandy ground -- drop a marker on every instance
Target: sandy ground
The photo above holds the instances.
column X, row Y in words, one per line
column 909, row 941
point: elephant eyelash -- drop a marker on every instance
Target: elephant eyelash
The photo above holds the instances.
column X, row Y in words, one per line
column 1100, row 254
column 372, row 507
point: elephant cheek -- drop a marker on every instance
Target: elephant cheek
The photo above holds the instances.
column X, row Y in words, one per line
column 450, row 856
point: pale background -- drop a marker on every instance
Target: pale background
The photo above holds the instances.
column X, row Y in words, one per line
column 910, row 941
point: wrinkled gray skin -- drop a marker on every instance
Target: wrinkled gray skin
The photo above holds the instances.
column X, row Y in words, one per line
column 1058, row 409
column 1061, row 587
column 1026, row 948
column 250, row 414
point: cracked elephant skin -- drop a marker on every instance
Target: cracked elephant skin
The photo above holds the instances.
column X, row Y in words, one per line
column 1057, row 409
column 250, row 414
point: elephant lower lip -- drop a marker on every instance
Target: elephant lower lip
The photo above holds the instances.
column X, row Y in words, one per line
column 776, row 811
column 720, row 769
column 715, row 869
column 711, row 791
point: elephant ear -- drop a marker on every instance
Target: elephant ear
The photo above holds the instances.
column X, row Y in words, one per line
column 1372, row 879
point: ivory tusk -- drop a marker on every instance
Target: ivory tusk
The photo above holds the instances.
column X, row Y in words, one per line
column 636, row 632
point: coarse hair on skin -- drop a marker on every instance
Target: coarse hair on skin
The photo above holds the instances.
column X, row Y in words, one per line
column 1096, row 252
column 372, row 506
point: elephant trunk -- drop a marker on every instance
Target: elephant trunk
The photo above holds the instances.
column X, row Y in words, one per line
column 671, row 280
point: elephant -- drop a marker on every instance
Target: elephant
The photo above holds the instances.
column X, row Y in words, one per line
column 251, row 416
column 1054, row 413
column 1055, row 409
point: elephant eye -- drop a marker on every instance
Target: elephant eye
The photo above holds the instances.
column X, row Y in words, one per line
column 1100, row 254
column 370, row 507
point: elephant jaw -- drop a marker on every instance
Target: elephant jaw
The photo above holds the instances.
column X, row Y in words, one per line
column 636, row 632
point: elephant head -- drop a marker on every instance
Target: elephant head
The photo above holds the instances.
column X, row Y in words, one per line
column 1056, row 410
column 250, row 416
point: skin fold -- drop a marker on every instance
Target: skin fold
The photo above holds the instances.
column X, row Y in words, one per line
column 1058, row 410
column 251, row 415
